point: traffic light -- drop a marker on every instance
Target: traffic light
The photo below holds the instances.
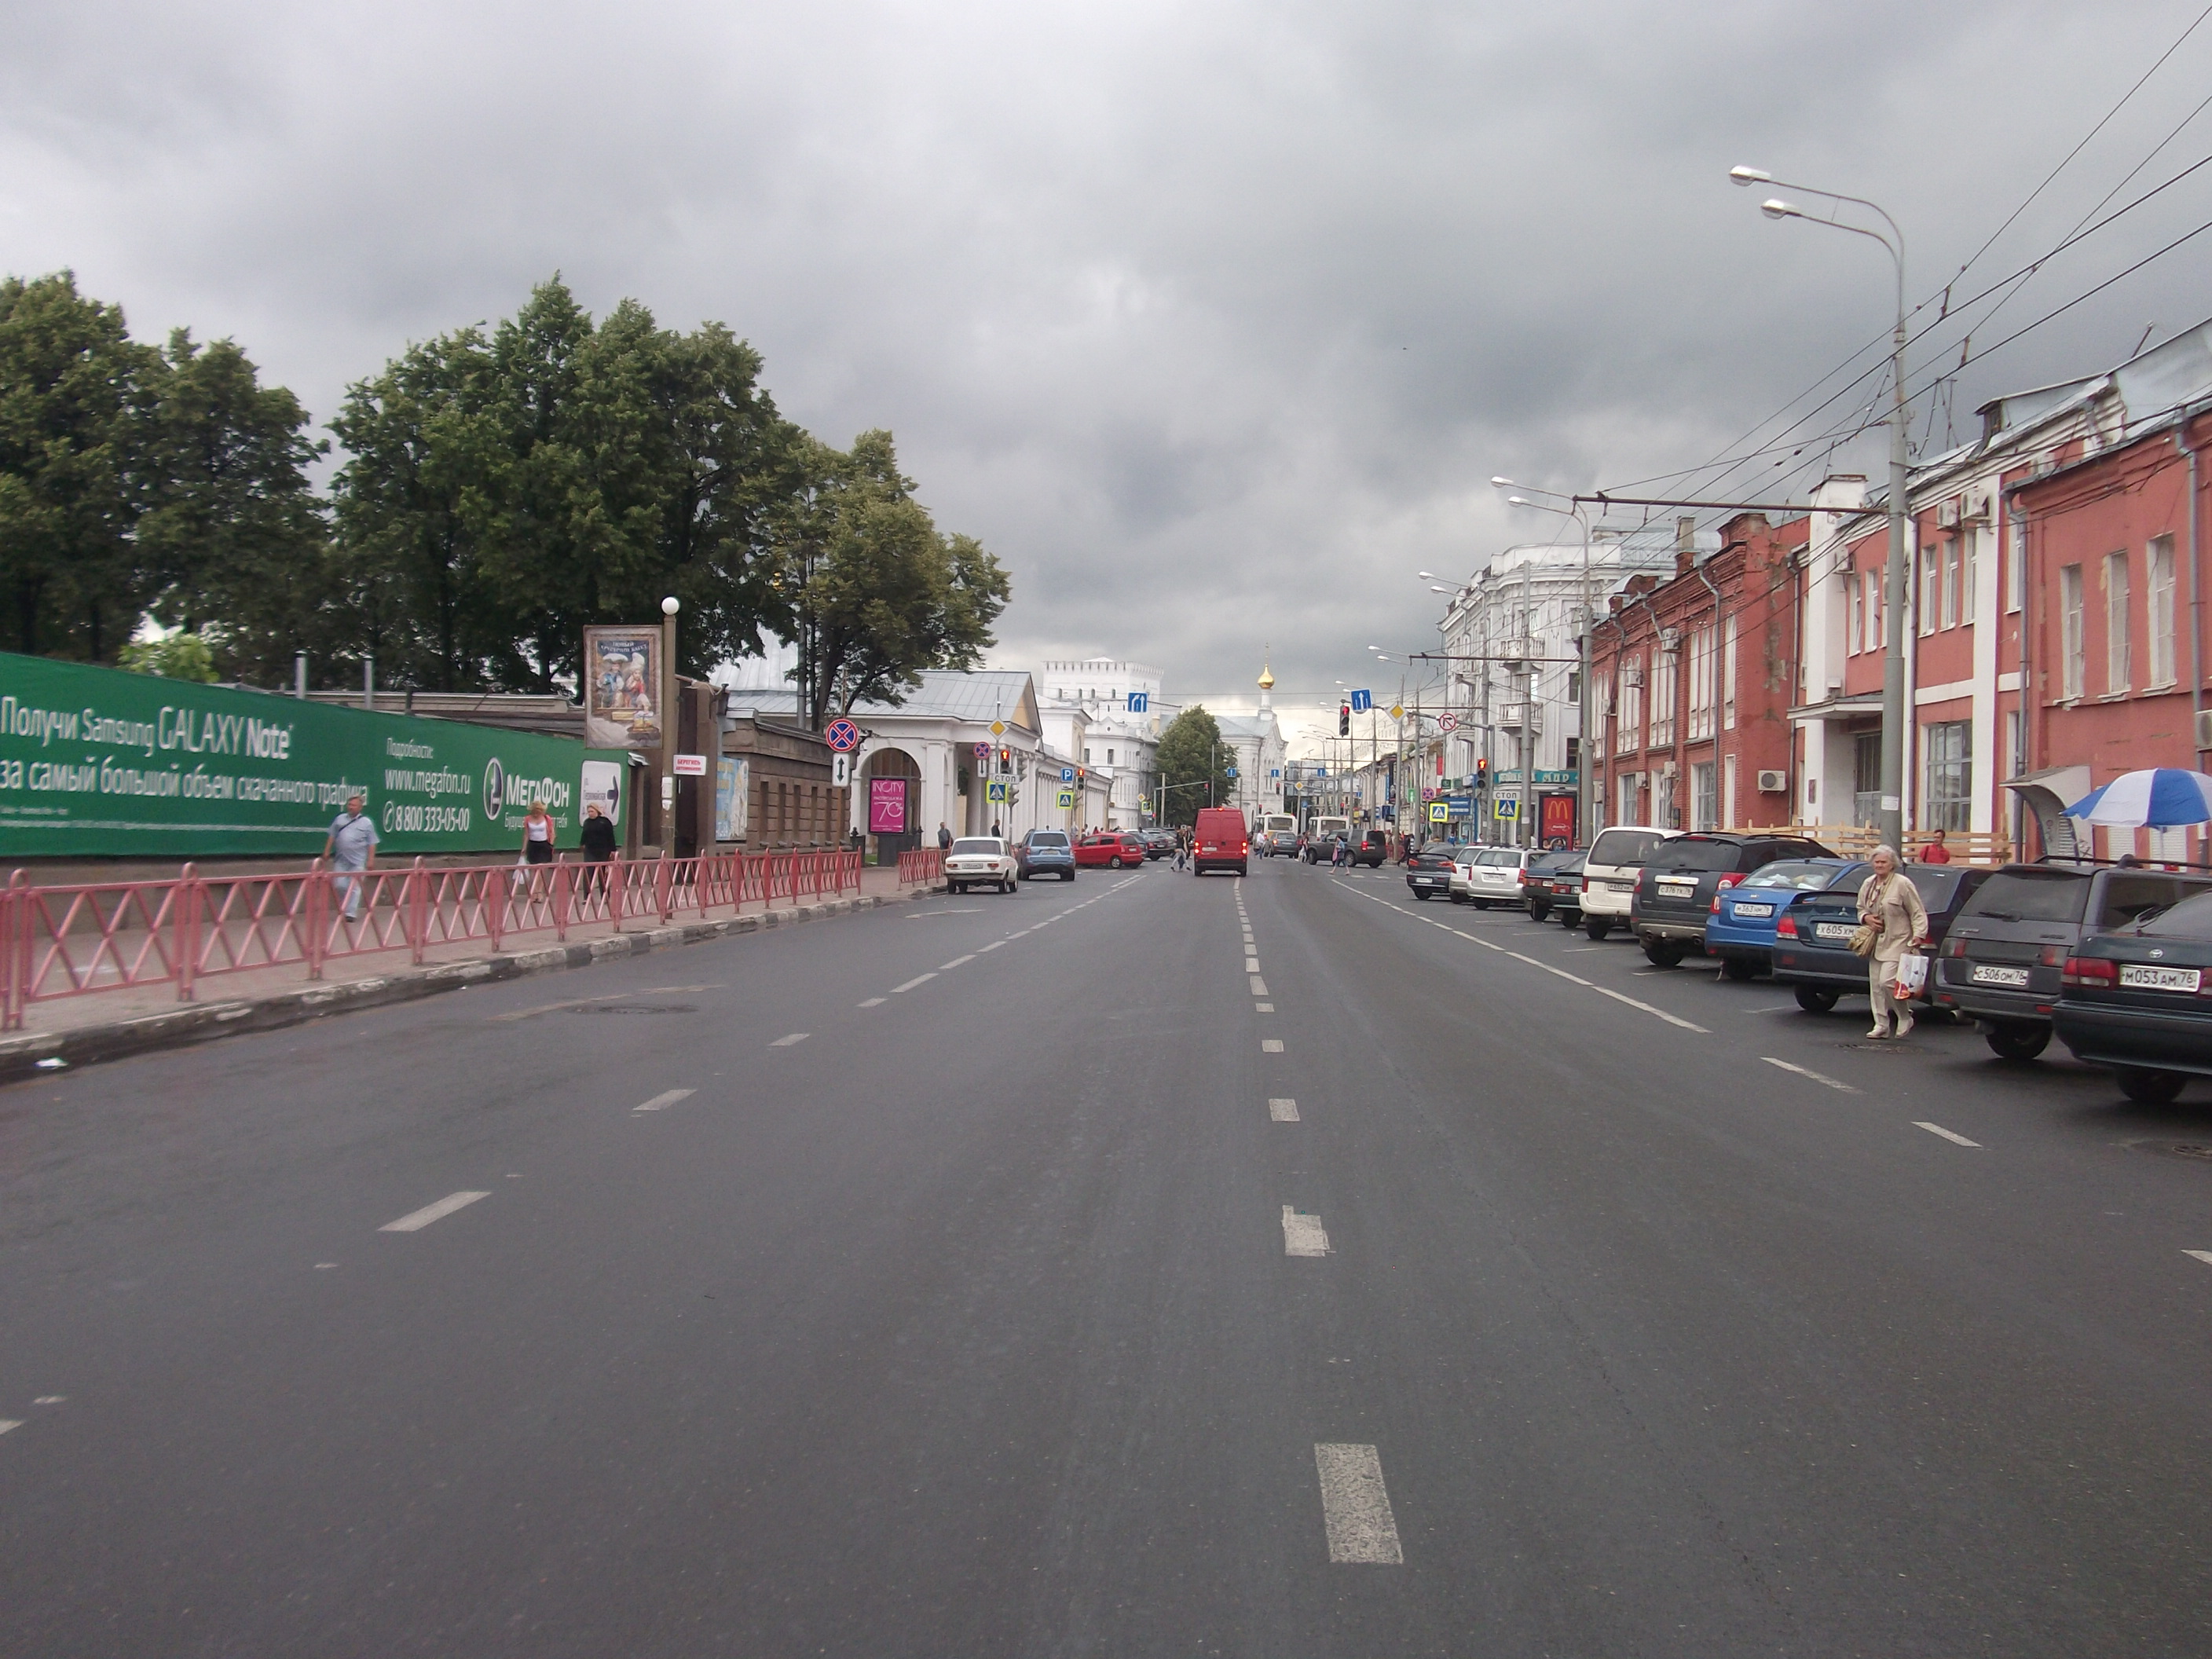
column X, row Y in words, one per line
column 1081, row 773
column 1007, row 759
column 1481, row 772
column 1344, row 720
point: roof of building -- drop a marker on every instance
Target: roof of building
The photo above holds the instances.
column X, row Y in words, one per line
column 984, row 694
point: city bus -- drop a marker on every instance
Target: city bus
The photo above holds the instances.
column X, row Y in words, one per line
column 1272, row 824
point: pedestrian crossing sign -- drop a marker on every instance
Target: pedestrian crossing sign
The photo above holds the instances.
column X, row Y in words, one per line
column 995, row 790
column 1066, row 798
column 1440, row 811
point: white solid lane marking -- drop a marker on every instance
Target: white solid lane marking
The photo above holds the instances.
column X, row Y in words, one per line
column 788, row 1041
column 1938, row 1129
column 1283, row 1111
column 872, row 1002
column 1263, row 1007
column 1355, row 1507
column 1303, row 1233
column 1271, row 1045
column 2201, row 1255
column 662, row 1101
column 955, row 961
column 1656, row 1014
column 918, row 979
column 1816, row 1077
column 415, row 1222
column 1259, row 987
column 992, row 946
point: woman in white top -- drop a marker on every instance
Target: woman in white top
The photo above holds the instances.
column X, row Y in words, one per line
column 537, row 834
column 1890, row 904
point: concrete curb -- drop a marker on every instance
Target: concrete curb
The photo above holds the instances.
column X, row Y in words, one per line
column 204, row 1022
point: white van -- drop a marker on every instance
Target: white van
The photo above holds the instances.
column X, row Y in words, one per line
column 1616, row 859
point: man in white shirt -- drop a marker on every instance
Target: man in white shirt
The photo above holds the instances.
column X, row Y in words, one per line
column 352, row 847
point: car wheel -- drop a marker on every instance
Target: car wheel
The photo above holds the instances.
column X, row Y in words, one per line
column 1814, row 1000
column 1538, row 912
column 2149, row 1088
column 1663, row 953
column 1596, row 930
column 2018, row 1039
column 1114, row 863
column 1423, row 894
column 955, row 887
column 1068, row 875
column 1738, row 970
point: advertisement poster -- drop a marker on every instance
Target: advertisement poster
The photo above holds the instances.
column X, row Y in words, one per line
column 97, row 763
column 733, row 784
column 887, row 806
column 622, row 688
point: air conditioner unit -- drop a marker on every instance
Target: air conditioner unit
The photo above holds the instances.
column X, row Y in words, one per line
column 1947, row 514
column 1981, row 503
column 2204, row 730
column 1632, row 675
column 1670, row 639
column 1773, row 783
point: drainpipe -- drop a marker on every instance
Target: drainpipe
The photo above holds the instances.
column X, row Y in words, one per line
column 2196, row 588
column 1698, row 570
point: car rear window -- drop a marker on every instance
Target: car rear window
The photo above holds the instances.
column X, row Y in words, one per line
column 1938, row 884
column 975, row 848
column 1047, row 838
column 2032, row 896
column 2191, row 918
column 1498, row 856
column 1693, row 853
column 1617, row 848
column 1798, row 878
column 2129, row 893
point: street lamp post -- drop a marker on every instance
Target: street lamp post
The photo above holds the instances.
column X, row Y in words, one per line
column 669, row 740
column 1583, row 829
column 1897, row 577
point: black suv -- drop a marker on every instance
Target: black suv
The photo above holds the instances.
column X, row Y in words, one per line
column 2140, row 1001
column 1372, row 849
column 2004, row 958
column 1674, row 894
column 1553, row 881
column 1812, row 951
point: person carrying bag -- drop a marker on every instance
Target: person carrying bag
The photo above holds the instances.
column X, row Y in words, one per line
column 1891, row 921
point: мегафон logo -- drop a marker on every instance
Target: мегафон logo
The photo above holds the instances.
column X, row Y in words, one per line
column 494, row 788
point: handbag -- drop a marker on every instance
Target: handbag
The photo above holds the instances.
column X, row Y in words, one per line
column 1864, row 938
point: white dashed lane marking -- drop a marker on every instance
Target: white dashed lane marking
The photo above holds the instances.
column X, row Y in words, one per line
column 1954, row 1138
column 792, row 1040
column 955, row 961
column 1271, row 1045
column 1355, row 1507
column 872, row 1002
column 414, row 1221
column 1303, row 1233
column 1259, row 986
column 1263, row 1007
column 661, row 1102
column 2201, row 1255
column 1283, row 1111
column 1816, row 1076
column 918, row 979
column 8, row 1423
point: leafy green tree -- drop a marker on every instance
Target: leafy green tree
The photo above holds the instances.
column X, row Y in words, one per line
column 178, row 656
column 1191, row 755
column 75, row 413
column 876, row 594
column 234, row 533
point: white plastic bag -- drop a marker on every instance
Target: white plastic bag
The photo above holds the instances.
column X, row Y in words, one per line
column 1912, row 975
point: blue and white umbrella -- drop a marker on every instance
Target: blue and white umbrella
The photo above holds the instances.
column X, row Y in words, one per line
column 2164, row 797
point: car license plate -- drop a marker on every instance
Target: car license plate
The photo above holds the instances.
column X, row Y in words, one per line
column 1832, row 930
column 1754, row 909
column 1985, row 974
column 1678, row 888
column 2160, row 979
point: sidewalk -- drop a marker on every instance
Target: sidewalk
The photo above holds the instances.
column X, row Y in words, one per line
column 104, row 1025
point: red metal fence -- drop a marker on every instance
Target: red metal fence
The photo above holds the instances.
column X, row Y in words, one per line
column 922, row 867
column 111, row 936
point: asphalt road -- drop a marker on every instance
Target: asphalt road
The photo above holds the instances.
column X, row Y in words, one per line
column 1031, row 1276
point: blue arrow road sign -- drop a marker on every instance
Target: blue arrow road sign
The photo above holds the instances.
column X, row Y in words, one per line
column 1361, row 702
column 1140, row 703
column 1228, row 771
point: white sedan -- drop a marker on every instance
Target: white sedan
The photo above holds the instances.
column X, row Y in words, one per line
column 979, row 861
column 1489, row 875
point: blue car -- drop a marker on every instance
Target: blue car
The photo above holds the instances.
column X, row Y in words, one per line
column 1740, row 930
column 1045, row 853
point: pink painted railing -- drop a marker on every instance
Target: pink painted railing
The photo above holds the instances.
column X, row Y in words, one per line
column 111, row 936
column 922, row 867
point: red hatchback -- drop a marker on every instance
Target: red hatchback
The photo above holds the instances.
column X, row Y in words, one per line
column 1113, row 851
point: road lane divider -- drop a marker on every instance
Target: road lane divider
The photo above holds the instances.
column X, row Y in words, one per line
column 1271, row 1045
column 663, row 1100
column 416, row 1220
column 1259, row 986
column 790, row 1040
column 1283, row 1111
column 944, row 967
column 872, row 1002
column 1955, row 1138
column 1817, row 1076
column 992, row 946
column 918, row 979
column 1355, row 1507
column 1303, row 1233
column 8, row 1423
column 1263, row 1007
column 2201, row 1255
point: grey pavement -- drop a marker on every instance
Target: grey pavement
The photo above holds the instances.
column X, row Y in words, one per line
column 924, row 1283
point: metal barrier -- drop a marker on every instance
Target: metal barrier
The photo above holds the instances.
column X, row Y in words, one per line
column 922, row 867
column 111, row 936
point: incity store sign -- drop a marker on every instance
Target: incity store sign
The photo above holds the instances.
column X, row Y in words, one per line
column 96, row 762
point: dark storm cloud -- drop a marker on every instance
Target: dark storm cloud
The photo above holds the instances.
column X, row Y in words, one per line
column 1212, row 321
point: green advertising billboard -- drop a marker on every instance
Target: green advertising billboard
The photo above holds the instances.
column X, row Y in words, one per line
column 94, row 762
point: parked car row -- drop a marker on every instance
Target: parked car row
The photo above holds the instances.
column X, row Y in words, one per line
column 2115, row 960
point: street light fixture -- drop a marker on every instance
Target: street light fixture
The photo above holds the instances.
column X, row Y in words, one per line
column 1895, row 577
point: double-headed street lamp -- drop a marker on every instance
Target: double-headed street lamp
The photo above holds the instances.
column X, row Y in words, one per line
column 1897, row 576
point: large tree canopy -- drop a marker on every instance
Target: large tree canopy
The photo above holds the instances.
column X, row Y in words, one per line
column 1190, row 758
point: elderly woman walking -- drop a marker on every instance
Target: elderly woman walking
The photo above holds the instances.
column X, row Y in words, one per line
column 1890, row 904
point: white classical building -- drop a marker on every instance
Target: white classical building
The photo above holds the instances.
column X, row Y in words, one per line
column 1261, row 754
column 1087, row 707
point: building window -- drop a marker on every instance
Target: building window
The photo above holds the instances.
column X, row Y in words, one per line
column 1631, row 728
column 2074, row 669
column 1948, row 803
column 1728, row 792
column 2161, row 611
column 1668, row 816
column 2116, row 622
column 1871, row 580
column 1970, row 552
column 1866, row 778
column 1931, row 581
column 1701, row 684
column 1705, row 800
column 2011, row 761
column 1662, row 698
column 2015, row 566
column 1727, row 676
column 1952, row 553
column 1857, row 636
column 1109, row 757
column 1086, row 757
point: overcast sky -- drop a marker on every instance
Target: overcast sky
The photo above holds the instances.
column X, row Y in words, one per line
column 1212, row 321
